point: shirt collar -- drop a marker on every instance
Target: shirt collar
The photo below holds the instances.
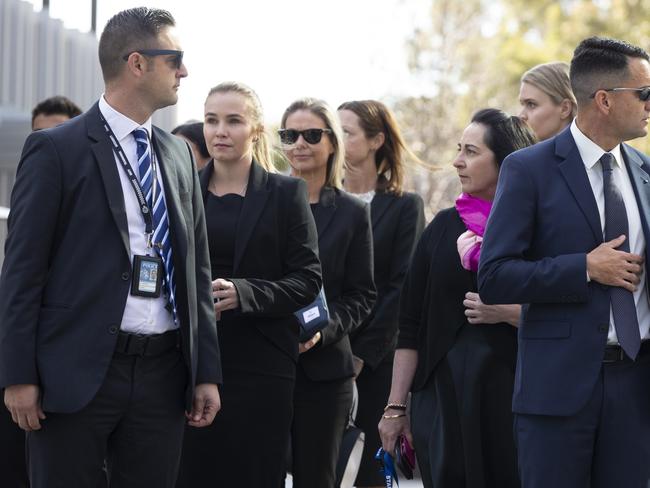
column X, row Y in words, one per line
column 119, row 123
column 590, row 152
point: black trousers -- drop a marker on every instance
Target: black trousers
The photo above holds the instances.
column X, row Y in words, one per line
column 135, row 423
column 13, row 472
column 320, row 415
column 246, row 445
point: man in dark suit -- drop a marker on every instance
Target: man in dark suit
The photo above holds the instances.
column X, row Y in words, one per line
column 568, row 235
column 99, row 356
column 46, row 114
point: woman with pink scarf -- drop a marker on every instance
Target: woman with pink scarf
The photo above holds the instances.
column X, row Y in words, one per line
column 456, row 355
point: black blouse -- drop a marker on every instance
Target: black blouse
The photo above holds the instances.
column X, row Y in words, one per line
column 222, row 214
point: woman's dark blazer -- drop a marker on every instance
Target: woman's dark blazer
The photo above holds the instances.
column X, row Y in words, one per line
column 345, row 249
column 397, row 222
column 431, row 306
column 276, row 269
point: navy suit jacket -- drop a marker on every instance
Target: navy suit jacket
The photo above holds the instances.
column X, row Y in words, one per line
column 543, row 223
column 67, row 268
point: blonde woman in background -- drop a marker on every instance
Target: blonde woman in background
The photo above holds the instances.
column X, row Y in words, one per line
column 547, row 102
column 313, row 142
column 263, row 253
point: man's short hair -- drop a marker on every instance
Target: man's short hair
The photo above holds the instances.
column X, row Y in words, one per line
column 128, row 31
column 599, row 62
column 55, row 106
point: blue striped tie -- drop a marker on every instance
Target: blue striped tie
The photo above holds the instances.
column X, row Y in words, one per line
column 623, row 307
column 161, row 236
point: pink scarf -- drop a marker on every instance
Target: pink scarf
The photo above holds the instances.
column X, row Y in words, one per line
column 474, row 212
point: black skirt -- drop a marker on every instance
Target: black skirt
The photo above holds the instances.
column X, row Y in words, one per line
column 462, row 420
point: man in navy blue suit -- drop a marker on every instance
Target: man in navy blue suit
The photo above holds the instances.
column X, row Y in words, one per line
column 568, row 236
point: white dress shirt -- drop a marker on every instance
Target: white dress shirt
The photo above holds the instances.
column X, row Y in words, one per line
column 142, row 315
column 591, row 153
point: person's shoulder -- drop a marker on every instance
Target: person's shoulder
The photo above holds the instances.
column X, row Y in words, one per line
column 644, row 157
column 349, row 202
column 411, row 200
column 65, row 131
column 168, row 139
column 440, row 222
column 278, row 179
column 445, row 215
column 284, row 184
column 536, row 152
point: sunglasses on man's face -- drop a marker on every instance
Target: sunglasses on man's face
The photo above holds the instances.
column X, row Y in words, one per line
column 643, row 93
column 311, row 136
column 177, row 59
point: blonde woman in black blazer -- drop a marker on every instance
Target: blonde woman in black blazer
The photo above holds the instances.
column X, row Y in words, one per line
column 263, row 252
column 312, row 139
column 374, row 172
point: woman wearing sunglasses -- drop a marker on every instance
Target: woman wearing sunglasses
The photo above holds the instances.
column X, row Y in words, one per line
column 547, row 101
column 264, row 257
column 374, row 171
column 459, row 362
column 312, row 140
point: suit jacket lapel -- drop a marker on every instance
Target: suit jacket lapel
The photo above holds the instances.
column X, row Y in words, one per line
column 575, row 174
column 103, row 151
column 641, row 185
column 379, row 205
column 324, row 213
column 254, row 202
column 166, row 159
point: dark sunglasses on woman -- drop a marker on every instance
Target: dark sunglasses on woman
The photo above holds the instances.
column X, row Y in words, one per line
column 311, row 136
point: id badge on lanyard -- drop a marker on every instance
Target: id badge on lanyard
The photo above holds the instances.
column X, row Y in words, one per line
column 148, row 269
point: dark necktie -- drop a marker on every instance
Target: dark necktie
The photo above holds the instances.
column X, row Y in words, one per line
column 160, row 221
column 623, row 307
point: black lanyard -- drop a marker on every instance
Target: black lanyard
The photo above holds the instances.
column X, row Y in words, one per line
column 145, row 209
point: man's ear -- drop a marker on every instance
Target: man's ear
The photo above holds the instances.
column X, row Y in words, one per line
column 136, row 64
column 602, row 101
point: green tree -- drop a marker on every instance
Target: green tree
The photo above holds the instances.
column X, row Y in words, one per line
column 473, row 53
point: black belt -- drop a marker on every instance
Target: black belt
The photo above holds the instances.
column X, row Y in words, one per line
column 614, row 354
column 147, row 345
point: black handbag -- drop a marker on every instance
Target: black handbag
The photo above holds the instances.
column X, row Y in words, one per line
column 313, row 317
column 351, row 450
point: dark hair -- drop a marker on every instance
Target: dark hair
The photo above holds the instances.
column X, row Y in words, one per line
column 194, row 132
column 375, row 118
column 56, row 105
column 127, row 31
column 598, row 62
column 504, row 133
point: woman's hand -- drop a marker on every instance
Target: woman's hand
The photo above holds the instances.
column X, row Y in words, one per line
column 479, row 313
column 391, row 428
column 226, row 294
column 306, row 346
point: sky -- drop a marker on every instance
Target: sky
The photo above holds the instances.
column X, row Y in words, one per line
column 337, row 50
